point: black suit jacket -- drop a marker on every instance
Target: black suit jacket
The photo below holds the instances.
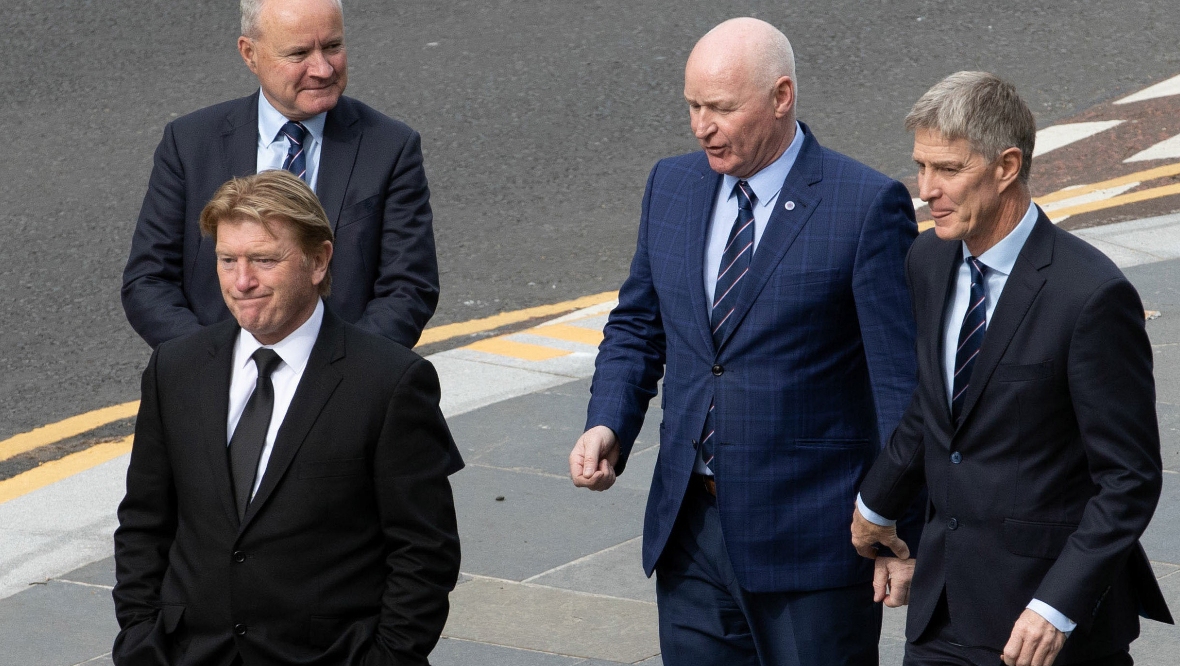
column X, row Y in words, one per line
column 1059, row 457
column 371, row 184
column 349, row 548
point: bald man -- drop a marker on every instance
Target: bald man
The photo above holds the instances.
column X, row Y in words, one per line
column 767, row 289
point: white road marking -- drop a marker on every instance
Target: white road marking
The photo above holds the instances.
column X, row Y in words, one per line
column 1059, row 136
column 1168, row 149
column 1162, row 89
column 1089, row 197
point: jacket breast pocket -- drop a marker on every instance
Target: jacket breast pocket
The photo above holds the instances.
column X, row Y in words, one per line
column 832, row 443
column 361, row 210
column 808, row 277
column 320, row 469
column 1035, row 539
column 1011, row 372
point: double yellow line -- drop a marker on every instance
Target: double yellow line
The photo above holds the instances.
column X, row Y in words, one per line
column 56, row 470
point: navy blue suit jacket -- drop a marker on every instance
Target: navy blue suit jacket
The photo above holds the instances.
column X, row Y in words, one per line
column 371, row 184
column 810, row 380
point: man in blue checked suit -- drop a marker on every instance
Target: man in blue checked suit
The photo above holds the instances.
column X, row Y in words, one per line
column 767, row 288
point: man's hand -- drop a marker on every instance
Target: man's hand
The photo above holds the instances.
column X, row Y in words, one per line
column 592, row 462
column 1034, row 641
column 891, row 581
column 866, row 536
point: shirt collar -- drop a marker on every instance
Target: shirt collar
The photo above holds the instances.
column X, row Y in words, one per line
column 270, row 121
column 768, row 182
column 1001, row 257
column 295, row 349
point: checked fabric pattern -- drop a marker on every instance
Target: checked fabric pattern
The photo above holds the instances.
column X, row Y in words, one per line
column 970, row 336
column 296, row 161
column 735, row 264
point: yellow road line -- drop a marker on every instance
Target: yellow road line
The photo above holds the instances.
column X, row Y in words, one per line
column 521, row 350
column 448, row 331
column 56, row 470
column 1121, row 200
column 1138, row 176
column 586, row 336
column 75, row 425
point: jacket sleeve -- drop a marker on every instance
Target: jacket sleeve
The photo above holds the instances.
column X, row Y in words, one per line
column 1109, row 370
column 406, row 290
column 147, row 528
column 153, row 297
column 413, row 457
column 631, row 357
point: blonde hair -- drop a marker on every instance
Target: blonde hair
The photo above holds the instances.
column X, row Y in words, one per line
column 269, row 197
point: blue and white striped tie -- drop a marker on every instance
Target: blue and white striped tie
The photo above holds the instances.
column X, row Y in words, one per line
column 296, row 161
column 735, row 264
column 970, row 336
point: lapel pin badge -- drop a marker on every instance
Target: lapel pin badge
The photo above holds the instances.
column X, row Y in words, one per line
column 790, row 205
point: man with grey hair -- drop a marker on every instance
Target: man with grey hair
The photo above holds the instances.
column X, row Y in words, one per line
column 1033, row 425
column 767, row 289
column 365, row 168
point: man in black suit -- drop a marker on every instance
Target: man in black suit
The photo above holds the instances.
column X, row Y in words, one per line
column 1033, row 423
column 287, row 498
column 365, row 167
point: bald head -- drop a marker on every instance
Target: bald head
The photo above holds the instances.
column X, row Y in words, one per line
column 740, row 86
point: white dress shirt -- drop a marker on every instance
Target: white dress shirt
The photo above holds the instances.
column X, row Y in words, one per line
column 294, row 349
column 272, row 146
column 766, row 184
column 999, row 260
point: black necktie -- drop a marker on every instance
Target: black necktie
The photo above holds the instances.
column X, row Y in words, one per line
column 970, row 336
column 296, row 161
column 735, row 263
column 245, row 448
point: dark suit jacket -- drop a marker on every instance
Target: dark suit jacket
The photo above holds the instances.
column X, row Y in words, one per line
column 347, row 552
column 808, row 383
column 371, row 184
column 1058, row 450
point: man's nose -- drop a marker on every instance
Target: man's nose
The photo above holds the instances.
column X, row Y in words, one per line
column 927, row 187
column 702, row 124
column 244, row 278
column 318, row 65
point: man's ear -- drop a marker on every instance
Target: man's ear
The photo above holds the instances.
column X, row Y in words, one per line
column 320, row 262
column 1008, row 167
column 784, row 96
column 249, row 52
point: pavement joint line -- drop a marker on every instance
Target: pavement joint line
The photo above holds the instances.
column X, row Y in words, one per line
column 78, row 582
column 519, row 470
column 580, row 560
column 448, row 331
column 539, row 586
column 56, row 470
column 64, row 429
column 93, row 659
column 510, row 647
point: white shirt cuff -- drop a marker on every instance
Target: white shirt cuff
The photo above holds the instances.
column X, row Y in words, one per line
column 872, row 516
column 1053, row 616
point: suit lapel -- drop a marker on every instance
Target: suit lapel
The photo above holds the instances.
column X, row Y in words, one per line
column 341, row 142
column 783, row 227
column 700, row 211
column 319, row 381
column 945, row 267
column 239, row 139
column 214, row 414
column 1020, row 290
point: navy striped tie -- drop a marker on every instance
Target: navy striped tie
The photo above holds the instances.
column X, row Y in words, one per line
column 735, row 264
column 970, row 336
column 296, row 161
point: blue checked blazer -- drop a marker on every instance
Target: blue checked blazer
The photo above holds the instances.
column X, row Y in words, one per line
column 808, row 383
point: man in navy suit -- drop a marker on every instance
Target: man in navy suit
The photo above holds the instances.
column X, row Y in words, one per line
column 366, row 169
column 767, row 288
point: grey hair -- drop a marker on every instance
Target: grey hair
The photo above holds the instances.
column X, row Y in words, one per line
column 251, row 9
column 981, row 108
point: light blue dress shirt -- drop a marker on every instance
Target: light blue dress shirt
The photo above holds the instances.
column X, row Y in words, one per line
column 999, row 260
column 766, row 184
column 272, row 147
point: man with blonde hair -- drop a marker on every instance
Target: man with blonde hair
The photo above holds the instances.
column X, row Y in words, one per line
column 287, row 498
column 767, row 289
column 365, row 167
column 1033, row 425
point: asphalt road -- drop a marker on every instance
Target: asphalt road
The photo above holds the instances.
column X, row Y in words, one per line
column 540, row 121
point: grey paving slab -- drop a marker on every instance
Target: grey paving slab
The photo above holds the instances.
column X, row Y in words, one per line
column 101, row 572
column 1159, row 644
column 616, row 572
column 455, row 652
column 543, row 521
column 1162, row 538
column 56, row 624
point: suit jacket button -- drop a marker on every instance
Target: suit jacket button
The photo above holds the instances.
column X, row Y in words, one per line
column 240, row 629
column 239, row 556
column 694, row 443
column 718, row 370
column 954, row 524
column 956, row 457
